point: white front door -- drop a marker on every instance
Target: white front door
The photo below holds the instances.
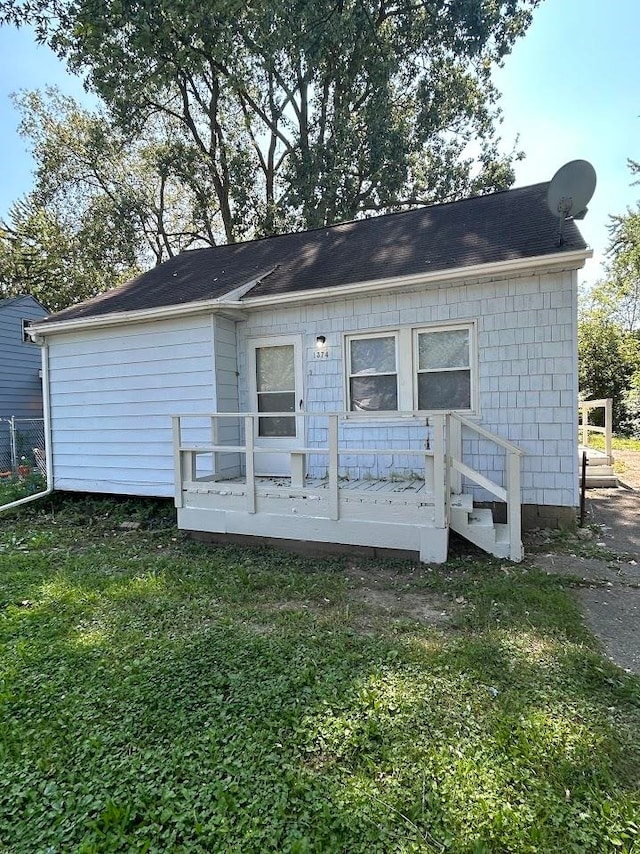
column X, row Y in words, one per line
column 275, row 378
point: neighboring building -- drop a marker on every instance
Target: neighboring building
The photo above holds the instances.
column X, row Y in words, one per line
column 468, row 307
column 20, row 383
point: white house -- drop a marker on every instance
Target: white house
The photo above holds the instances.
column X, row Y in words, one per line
column 416, row 362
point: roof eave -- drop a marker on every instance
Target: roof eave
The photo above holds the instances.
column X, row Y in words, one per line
column 573, row 260
column 233, row 306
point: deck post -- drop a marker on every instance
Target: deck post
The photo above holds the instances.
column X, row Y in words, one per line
column 454, row 450
column 608, row 422
column 250, row 463
column 514, row 506
column 177, row 461
column 585, row 425
column 215, row 440
column 439, row 511
column 334, row 496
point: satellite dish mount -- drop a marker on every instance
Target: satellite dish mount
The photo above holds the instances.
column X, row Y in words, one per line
column 570, row 192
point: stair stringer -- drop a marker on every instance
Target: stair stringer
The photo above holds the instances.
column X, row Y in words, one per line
column 476, row 525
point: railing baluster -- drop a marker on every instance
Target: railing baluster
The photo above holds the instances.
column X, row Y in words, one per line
column 514, row 507
column 334, row 494
column 454, row 449
column 250, row 463
column 215, row 440
column 608, row 421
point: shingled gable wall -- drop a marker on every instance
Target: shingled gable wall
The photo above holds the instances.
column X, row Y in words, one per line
column 527, row 357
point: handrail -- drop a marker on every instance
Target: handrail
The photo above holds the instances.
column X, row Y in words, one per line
column 186, row 453
column 593, row 404
column 486, row 434
column 510, row 493
column 584, row 408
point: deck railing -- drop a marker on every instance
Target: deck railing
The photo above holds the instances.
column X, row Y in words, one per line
column 439, row 435
column 186, row 453
column 509, row 494
column 585, row 408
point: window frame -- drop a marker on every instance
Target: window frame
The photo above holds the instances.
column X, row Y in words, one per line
column 365, row 336
column 471, row 328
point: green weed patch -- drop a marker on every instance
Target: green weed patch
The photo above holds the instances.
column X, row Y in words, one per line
column 160, row 695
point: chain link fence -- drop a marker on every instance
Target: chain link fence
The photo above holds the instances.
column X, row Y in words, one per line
column 22, row 447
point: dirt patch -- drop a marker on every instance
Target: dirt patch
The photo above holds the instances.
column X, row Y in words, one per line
column 627, row 467
column 589, row 570
column 387, row 590
column 423, row 607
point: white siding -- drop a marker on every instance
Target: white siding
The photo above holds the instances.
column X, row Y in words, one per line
column 113, row 392
column 226, row 372
column 527, row 371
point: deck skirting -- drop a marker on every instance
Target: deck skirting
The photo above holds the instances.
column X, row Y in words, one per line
column 380, row 520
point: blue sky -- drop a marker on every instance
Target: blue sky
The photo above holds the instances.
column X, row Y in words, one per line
column 571, row 89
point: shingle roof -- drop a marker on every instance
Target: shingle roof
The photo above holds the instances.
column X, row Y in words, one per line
column 501, row 226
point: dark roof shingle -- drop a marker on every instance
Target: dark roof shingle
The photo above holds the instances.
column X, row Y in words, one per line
column 484, row 229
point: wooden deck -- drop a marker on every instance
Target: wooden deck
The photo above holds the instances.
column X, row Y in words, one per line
column 409, row 513
column 384, row 514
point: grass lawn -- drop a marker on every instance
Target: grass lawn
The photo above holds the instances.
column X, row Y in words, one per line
column 158, row 695
column 618, row 443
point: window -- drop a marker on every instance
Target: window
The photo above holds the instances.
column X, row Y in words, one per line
column 443, row 368
column 372, row 373
column 25, row 335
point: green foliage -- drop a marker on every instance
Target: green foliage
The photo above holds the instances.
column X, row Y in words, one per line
column 160, row 695
column 622, row 288
column 609, row 363
column 39, row 256
column 104, row 205
column 14, row 488
column 300, row 114
column 609, row 327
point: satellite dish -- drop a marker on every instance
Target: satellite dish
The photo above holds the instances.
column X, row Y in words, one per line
column 570, row 192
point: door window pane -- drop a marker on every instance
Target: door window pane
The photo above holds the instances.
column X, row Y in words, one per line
column 282, row 401
column 276, row 389
column 275, row 368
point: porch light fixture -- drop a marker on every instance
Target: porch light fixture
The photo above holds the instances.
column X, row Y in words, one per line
column 320, row 341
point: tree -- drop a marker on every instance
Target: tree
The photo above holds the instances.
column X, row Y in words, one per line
column 300, row 113
column 39, row 255
column 609, row 325
column 609, row 361
column 103, row 206
column 146, row 192
column 619, row 294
